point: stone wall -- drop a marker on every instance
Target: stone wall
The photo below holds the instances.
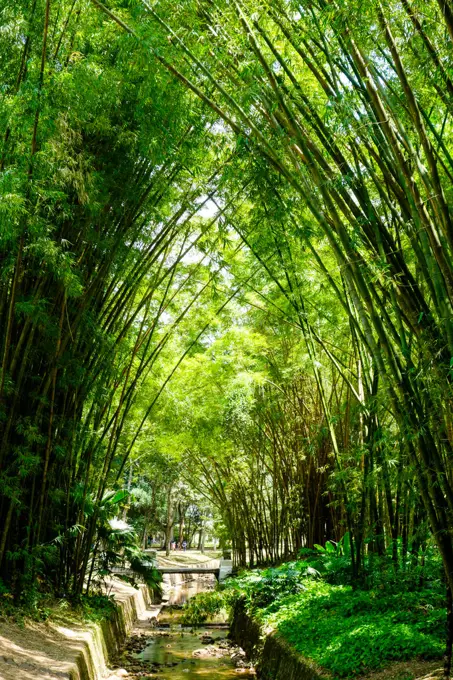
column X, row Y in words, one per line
column 280, row 661
column 274, row 658
column 246, row 632
column 105, row 639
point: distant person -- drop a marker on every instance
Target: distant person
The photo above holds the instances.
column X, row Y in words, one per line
column 184, row 545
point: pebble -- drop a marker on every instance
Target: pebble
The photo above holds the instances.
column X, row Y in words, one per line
column 129, row 664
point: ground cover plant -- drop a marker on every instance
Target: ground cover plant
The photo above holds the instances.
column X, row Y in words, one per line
column 346, row 629
column 38, row 605
column 350, row 632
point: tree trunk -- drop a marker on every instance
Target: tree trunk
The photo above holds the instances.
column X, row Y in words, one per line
column 170, row 521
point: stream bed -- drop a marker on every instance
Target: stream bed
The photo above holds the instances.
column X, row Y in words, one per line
column 163, row 649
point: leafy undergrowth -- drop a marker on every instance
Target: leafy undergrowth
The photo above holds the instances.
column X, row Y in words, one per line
column 351, row 632
column 346, row 631
column 38, row 606
column 205, row 606
column 94, row 607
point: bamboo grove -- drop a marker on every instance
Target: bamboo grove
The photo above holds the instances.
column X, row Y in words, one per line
column 99, row 215
column 345, row 107
column 169, row 171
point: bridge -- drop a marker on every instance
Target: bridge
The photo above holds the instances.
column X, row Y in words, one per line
column 189, row 570
column 220, row 572
column 224, row 569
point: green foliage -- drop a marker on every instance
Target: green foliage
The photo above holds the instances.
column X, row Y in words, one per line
column 102, row 163
column 346, row 631
column 342, row 548
column 117, row 546
column 379, row 572
column 94, row 607
column 271, row 585
column 350, row 632
column 203, row 607
column 308, row 325
column 145, row 570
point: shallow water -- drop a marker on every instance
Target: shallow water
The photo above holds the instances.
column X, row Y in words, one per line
column 173, row 652
column 178, row 593
column 169, row 652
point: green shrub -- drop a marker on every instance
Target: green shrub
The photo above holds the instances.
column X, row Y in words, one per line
column 96, row 607
column 348, row 631
column 203, row 607
column 351, row 632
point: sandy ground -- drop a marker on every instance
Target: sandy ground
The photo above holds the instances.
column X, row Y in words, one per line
column 55, row 650
column 37, row 651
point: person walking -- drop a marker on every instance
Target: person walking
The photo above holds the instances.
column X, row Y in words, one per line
column 184, row 545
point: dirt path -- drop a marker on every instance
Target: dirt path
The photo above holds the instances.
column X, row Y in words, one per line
column 63, row 648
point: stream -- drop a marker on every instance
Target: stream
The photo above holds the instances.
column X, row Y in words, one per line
column 164, row 649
